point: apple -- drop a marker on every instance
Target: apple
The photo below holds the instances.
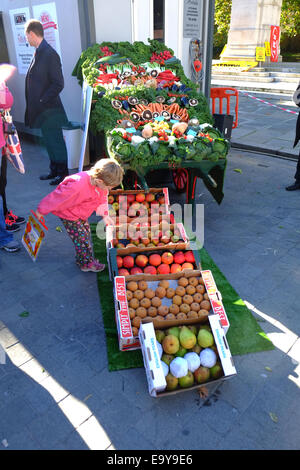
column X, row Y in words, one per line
column 141, row 261
column 189, row 257
column 163, row 269
column 119, row 261
column 155, row 259
column 187, row 266
column 150, row 270
column 130, row 198
column 110, row 199
column 120, row 245
column 150, row 197
column 165, row 239
column 116, row 206
column 140, row 197
column 128, row 261
column 136, row 270
column 123, row 272
column 175, row 268
column 167, row 257
column 179, row 257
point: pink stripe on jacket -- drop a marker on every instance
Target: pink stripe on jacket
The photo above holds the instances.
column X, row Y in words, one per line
column 75, row 198
column 6, row 102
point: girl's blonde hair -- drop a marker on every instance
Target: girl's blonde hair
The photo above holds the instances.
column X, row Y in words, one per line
column 108, row 171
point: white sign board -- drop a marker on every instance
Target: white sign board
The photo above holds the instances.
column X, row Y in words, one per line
column 46, row 14
column 24, row 52
column 191, row 18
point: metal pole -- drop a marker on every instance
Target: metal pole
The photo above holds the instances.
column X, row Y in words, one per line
column 208, row 27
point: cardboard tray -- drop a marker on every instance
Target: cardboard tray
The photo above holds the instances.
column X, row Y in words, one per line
column 113, row 253
column 154, row 372
column 126, row 339
column 181, row 245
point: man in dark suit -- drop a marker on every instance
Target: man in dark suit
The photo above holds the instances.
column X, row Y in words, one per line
column 296, row 184
column 44, row 109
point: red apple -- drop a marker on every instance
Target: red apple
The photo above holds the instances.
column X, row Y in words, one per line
column 150, row 270
column 123, row 272
column 140, row 197
column 128, row 261
column 155, row 259
column 189, row 257
column 119, row 261
column 136, row 270
column 163, row 269
column 187, row 266
column 167, row 257
column 110, row 199
column 179, row 257
column 175, row 268
column 150, row 197
column 141, row 261
column 130, row 198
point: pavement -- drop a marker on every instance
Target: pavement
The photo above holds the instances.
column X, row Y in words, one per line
column 56, row 392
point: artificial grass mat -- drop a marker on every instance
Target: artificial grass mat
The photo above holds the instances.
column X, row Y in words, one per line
column 244, row 335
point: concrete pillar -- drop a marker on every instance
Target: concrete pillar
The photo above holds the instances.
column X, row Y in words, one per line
column 250, row 27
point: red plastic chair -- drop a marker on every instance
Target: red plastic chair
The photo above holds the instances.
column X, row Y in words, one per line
column 225, row 93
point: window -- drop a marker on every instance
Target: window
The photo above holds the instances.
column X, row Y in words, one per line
column 159, row 20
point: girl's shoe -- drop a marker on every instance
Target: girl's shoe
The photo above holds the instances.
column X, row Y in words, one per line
column 11, row 226
column 93, row 266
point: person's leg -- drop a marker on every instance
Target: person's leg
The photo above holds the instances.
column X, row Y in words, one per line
column 3, row 183
column 57, row 150
column 80, row 234
column 7, row 242
column 295, row 185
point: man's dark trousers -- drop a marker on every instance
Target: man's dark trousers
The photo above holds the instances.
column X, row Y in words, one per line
column 56, row 147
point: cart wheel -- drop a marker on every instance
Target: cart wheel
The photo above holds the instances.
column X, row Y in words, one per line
column 180, row 178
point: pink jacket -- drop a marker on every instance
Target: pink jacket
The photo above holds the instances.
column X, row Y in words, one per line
column 75, row 198
column 6, row 102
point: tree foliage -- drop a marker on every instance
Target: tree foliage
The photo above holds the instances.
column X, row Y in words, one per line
column 290, row 18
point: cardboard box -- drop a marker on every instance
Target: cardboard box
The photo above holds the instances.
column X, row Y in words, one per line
column 215, row 298
column 111, row 230
column 126, row 339
column 163, row 208
column 154, row 372
column 113, row 253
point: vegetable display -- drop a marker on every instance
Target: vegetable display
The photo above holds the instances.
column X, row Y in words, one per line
column 148, row 109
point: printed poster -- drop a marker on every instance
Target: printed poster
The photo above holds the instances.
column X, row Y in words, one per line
column 46, row 14
column 24, row 52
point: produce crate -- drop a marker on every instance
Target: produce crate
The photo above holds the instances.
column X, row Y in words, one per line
column 188, row 259
column 128, row 325
column 125, row 212
column 153, row 366
column 124, row 245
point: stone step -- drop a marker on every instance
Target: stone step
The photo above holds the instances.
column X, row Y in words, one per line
column 285, row 75
column 228, row 71
column 251, row 85
column 240, row 77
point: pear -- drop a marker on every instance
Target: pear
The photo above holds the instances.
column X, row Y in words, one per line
column 216, row 371
column 181, row 352
column 172, row 382
column 174, row 330
column 187, row 380
column 167, row 358
column 170, row 344
column 187, row 338
column 202, row 374
column 159, row 335
column 205, row 338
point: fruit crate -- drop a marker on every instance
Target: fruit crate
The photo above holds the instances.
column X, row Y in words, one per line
column 159, row 261
column 156, row 372
column 178, row 239
column 128, row 322
column 126, row 205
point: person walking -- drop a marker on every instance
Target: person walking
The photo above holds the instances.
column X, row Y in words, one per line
column 75, row 199
column 44, row 110
column 296, row 184
column 12, row 221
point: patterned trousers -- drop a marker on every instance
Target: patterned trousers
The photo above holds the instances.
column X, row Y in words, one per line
column 80, row 234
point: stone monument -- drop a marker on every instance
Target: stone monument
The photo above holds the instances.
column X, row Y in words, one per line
column 250, row 27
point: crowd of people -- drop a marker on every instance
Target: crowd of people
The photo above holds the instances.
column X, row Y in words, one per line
column 77, row 196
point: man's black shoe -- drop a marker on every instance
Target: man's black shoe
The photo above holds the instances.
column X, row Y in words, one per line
column 47, row 177
column 57, row 180
column 293, row 187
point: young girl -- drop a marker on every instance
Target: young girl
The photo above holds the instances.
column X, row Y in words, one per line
column 75, row 199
